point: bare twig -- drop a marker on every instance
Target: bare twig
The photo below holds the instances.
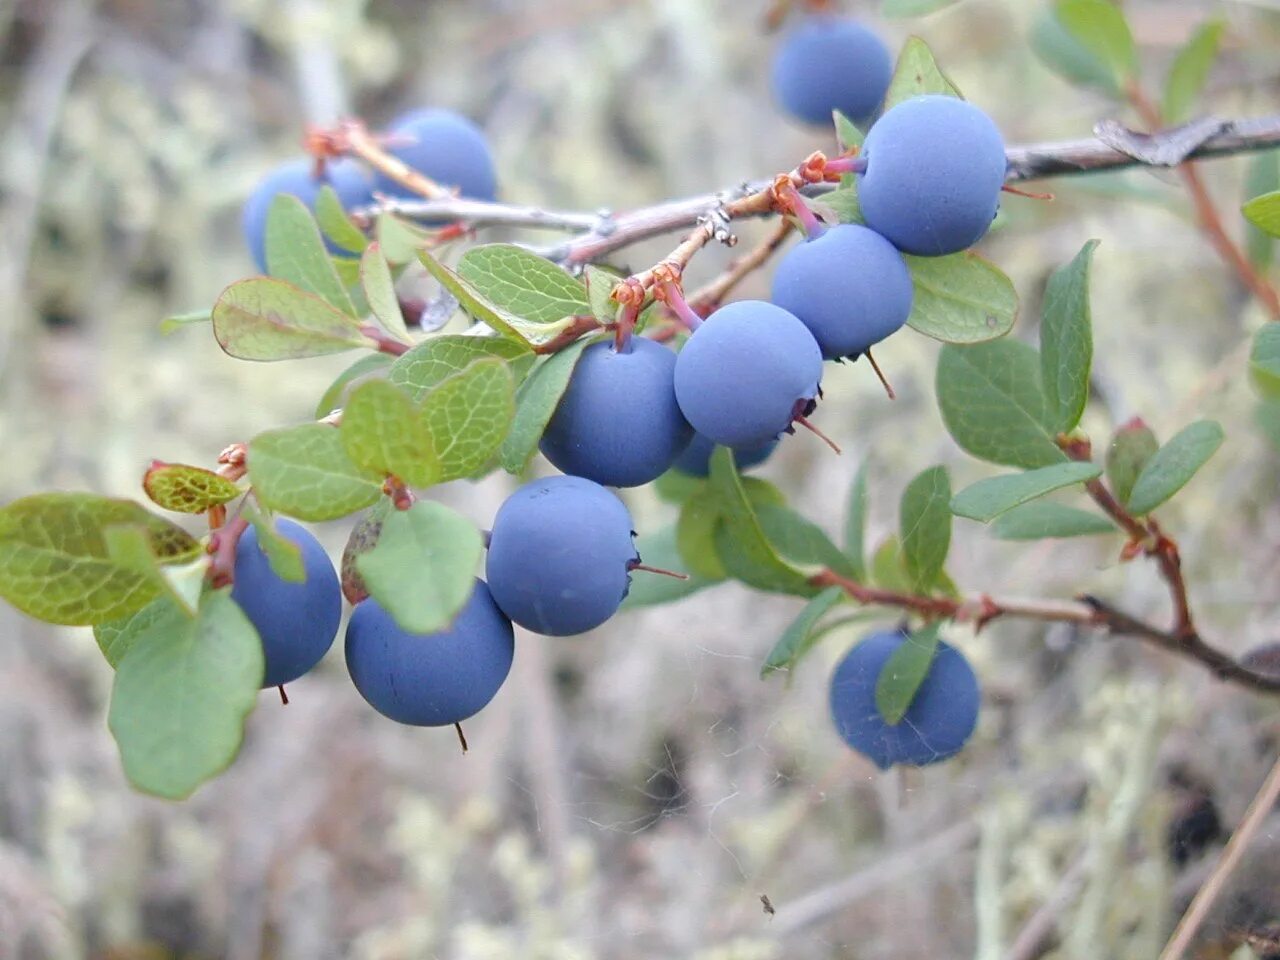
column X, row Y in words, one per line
column 707, row 298
column 1259, row 808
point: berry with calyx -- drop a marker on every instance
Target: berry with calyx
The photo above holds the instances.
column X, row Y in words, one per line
column 296, row 621
column 849, row 286
column 935, row 166
column 747, row 374
column 828, row 63
column 444, row 146
column 430, row 679
column 560, row 555
column 935, row 727
column 618, row 422
column 347, row 178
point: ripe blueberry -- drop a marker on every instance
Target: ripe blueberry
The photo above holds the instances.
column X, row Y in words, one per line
column 444, row 146
column 849, row 286
column 939, row 721
column 935, row 166
column 430, row 679
column 618, row 422
column 696, row 459
column 296, row 621
column 831, row 63
column 560, row 555
column 746, row 373
column 298, row 178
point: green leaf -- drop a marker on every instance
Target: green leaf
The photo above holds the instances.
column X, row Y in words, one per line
column 1173, row 465
column 695, row 534
column 263, row 318
column 1045, row 519
column 536, row 401
column 1261, row 176
column 400, row 240
column 741, row 543
column 423, row 568
column 925, row 523
column 855, row 525
column 55, row 562
column 800, row 540
column 659, row 549
column 336, row 225
column 305, row 472
column 468, row 416
column 1190, row 70
column 129, row 548
column 676, row 486
column 905, row 671
column 800, row 634
column 1066, row 341
column 161, row 616
column 917, row 73
column 843, row 203
column 283, row 555
column 522, row 283
column 600, row 284
column 380, row 291
column 987, row 499
column 848, row 133
column 1264, row 213
column 433, row 361
column 384, row 433
column 993, row 404
column 1264, row 360
column 888, row 567
column 366, row 365
column 1100, row 27
column 186, row 489
column 1131, row 447
column 1267, row 418
column 296, row 253
column 178, row 320
column 363, row 538
column 478, row 306
column 181, row 697
column 1060, row 51
column 912, row 8
column 961, row 298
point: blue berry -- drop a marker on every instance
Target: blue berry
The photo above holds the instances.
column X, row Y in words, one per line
column 618, row 422
column 560, row 555
column 849, row 286
column 444, row 146
column 296, row 621
column 939, row 721
column 696, row 459
column 746, row 373
column 430, row 679
column 831, row 63
column 935, row 166
column 298, row 178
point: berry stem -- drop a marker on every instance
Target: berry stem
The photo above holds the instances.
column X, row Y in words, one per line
column 851, row 164
column 658, row 570
column 808, row 425
column 222, row 545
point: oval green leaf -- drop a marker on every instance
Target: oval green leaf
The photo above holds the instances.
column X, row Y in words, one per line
column 961, row 298
column 305, row 472
column 905, row 671
column 1174, row 465
column 264, row 318
column 987, row 499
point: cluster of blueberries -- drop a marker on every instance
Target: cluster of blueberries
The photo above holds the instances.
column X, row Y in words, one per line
column 561, row 549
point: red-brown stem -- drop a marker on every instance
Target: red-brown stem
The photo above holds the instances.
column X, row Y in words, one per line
column 462, row 738
column 402, row 498
column 284, row 697
column 658, row 570
column 581, row 326
column 808, row 425
column 384, row 342
column 1087, row 611
column 222, row 545
column 1018, row 192
column 355, row 139
column 1209, row 220
column 884, row 381
column 708, row 298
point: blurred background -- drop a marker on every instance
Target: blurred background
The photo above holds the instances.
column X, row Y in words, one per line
column 634, row 792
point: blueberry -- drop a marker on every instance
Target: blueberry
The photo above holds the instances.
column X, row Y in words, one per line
column 444, row 146
column 831, row 63
column 849, row 286
column 296, row 621
column 430, row 679
column 560, row 555
column 935, row 166
column 298, row 178
column 939, row 721
column 618, row 422
column 696, row 459
column 746, row 373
